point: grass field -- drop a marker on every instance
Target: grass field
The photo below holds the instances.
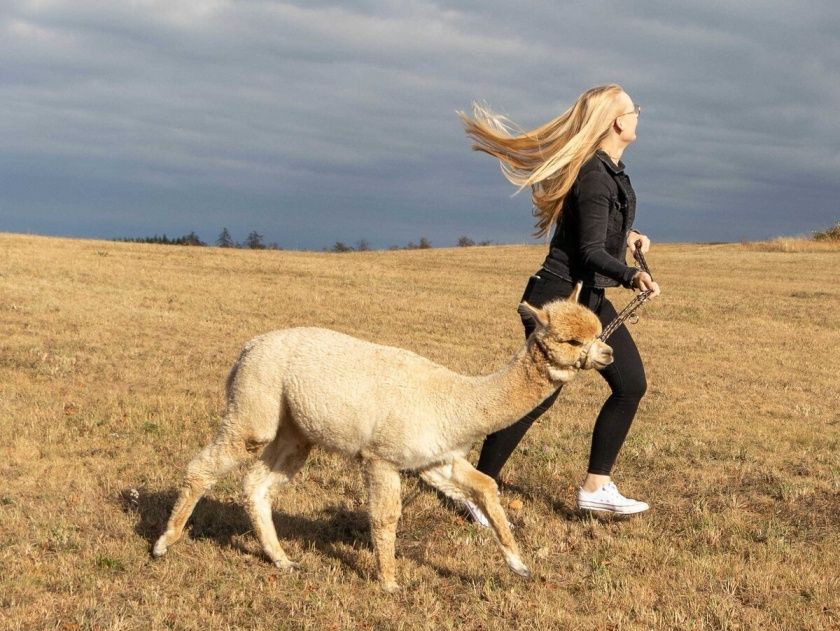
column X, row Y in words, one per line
column 113, row 358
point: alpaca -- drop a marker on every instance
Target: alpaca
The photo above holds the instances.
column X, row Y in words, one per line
column 394, row 410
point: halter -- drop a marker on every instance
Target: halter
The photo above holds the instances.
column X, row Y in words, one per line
column 581, row 358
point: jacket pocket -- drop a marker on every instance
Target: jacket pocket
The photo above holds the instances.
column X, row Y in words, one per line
column 544, row 287
column 532, row 285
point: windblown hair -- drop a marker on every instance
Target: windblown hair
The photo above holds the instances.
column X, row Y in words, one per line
column 547, row 158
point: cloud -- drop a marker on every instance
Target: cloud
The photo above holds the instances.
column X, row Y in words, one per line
column 317, row 121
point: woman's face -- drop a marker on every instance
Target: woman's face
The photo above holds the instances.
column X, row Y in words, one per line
column 628, row 119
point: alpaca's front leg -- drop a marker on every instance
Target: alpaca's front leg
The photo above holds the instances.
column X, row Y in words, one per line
column 383, row 480
column 460, row 480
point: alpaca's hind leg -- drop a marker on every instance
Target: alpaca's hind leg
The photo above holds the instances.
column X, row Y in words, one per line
column 383, row 480
column 460, row 480
column 214, row 461
column 281, row 460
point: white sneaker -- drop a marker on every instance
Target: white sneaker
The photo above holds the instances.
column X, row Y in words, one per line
column 478, row 516
column 607, row 499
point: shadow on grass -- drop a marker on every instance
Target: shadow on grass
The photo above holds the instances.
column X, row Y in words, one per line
column 561, row 509
column 337, row 532
column 225, row 522
column 569, row 513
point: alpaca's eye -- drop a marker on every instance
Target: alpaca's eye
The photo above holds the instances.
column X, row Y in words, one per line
column 574, row 342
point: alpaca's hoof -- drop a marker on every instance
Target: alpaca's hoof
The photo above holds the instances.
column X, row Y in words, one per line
column 524, row 572
column 521, row 569
column 286, row 565
column 160, row 548
column 390, row 587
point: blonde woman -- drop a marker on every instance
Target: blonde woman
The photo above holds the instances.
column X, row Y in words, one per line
column 579, row 190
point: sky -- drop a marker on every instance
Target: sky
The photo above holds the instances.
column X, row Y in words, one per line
column 313, row 122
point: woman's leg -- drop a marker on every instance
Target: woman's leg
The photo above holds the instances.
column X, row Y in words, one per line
column 498, row 446
column 626, row 378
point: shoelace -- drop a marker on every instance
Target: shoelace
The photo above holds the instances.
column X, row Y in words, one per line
column 612, row 491
column 610, row 488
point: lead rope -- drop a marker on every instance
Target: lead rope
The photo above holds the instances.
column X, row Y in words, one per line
column 640, row 299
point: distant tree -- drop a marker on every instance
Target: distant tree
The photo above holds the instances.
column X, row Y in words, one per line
column 362, row 245
column 254, row 241
column 340, row 246
column 829, row 234
column 465, row 242
column 225, row 240
column 422, row 245
column 191, row 239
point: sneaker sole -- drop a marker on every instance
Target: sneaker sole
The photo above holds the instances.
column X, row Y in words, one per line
column 609, row 508
column 482, row 521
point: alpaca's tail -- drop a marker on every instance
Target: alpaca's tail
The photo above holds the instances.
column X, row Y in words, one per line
column 254, row 396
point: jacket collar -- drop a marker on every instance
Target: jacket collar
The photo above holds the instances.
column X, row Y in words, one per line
column 615, row 170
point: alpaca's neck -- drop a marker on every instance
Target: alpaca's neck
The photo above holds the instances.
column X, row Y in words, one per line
column 502, row 398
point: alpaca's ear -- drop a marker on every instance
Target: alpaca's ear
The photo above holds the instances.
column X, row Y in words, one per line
column 575, row 295
column 540, row 316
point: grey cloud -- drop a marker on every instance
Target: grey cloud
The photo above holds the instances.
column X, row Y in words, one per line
column 318, row 121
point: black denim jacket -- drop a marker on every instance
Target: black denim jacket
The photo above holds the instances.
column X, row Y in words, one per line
column 590, row 239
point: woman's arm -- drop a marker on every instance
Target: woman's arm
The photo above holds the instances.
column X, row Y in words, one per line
column 642, row 280
column 593, row 213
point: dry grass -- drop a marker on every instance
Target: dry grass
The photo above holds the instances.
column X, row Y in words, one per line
column 793, row 244
column 112, row 366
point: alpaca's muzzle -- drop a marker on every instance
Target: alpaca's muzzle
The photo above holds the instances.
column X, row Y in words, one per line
column 597, row 355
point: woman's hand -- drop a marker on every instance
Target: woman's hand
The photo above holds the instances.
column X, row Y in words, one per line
column 642, row 281
column 632, row 237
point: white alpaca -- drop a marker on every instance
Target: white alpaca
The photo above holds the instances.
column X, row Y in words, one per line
column 394, row 410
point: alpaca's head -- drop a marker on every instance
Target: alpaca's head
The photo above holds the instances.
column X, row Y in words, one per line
column 566, row 338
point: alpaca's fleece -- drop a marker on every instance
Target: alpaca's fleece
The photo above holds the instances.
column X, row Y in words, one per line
column 360, row 398
column 294, row 389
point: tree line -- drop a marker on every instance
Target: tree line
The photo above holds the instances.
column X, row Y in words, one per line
column 422, row 244
column 254, row 241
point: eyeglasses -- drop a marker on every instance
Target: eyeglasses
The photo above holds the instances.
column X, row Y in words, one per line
column 637, row 109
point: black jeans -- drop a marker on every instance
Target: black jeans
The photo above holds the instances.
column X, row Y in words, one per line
column 625, row 376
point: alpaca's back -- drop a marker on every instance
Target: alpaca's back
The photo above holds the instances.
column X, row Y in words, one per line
column 346, row 394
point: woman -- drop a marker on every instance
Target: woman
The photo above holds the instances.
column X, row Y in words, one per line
column 579, row 187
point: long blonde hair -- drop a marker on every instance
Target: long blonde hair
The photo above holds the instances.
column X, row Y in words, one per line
column 549, row 157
